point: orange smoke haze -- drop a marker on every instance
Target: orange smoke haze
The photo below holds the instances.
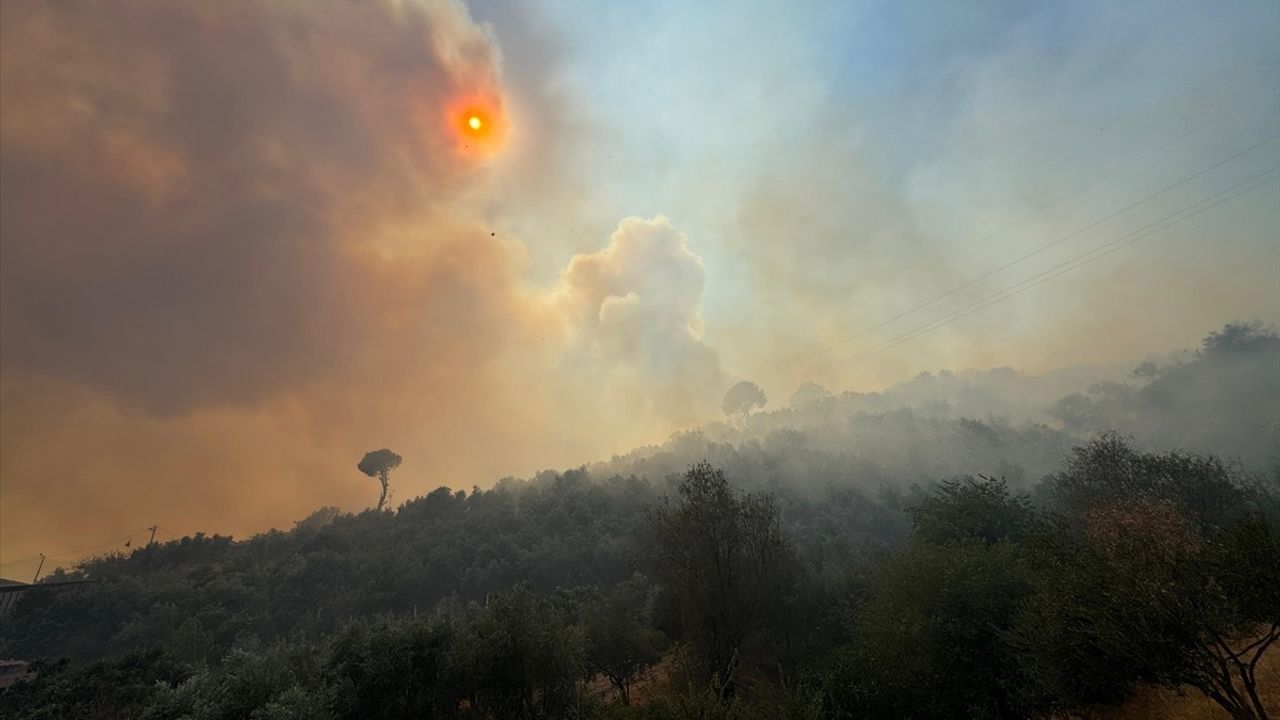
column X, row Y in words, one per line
column 235, row 259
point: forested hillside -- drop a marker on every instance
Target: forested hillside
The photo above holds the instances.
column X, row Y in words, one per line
column 896, row 555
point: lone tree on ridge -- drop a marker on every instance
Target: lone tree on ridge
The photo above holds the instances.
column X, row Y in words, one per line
column 379, row 464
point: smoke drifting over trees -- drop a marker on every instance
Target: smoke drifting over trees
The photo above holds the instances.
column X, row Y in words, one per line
column 742, row 398
column 720, row 347
column 1219, row 399
column 277, row 241
column 903, row 562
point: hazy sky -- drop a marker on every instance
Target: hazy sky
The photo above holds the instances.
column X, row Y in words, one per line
column 243, row 242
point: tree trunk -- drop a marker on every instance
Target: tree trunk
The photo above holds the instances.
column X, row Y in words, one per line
column 1229, row 700
column 1246, row 704
column 383, row 479
column 1244, row 713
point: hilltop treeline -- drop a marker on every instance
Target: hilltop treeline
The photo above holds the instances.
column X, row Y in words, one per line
column 1221, row 398
column 708, row 602
column 836, row 559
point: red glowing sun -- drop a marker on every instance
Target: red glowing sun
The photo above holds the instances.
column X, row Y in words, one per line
column 477, row 124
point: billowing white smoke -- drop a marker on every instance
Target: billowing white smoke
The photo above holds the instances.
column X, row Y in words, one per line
column 635, row 320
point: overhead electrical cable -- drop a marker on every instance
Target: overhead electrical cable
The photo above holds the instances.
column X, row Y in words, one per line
column 1106, row 175
column 1125, row 240
column 1074, row 233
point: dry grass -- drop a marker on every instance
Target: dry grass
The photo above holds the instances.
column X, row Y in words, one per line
column 1147, row 703
column 1152, row 703
column 652, row 682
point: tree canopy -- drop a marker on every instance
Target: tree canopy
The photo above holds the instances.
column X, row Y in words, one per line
column 877, row 555
column 379, row 464
column 742, row 398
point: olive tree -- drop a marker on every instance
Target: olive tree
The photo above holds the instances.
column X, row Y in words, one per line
column 726, row 563
column 1168, row 574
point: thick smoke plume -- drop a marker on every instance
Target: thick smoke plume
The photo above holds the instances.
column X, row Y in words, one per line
column 635, row 309
column 244, row 243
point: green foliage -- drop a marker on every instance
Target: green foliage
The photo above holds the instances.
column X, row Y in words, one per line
column 1169, row 582
column 1160, row 571
column 727, row 564
column 518, row 659
column 929, row 642
column 765, row 598
column 387, row 668
column 973, row 510
column 251, row 681
column 203, row 593
column 515, row 657
column 1110, row 469
column 621, row 640
column 120, row 689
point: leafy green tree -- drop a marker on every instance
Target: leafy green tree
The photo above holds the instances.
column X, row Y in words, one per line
column 391, row 668
column 519, row 659
column 981, row 509
column 121, row 688
column 929, row 640
column 621, row 643
column 1111, row 469
column 1149, row 595
column 726, row 562
column 1167, row 572
column 251, row 681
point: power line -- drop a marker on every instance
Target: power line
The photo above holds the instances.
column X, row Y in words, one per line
column 1048, row 205
column 33, row 558
column 77, row 551
column 1184, row 180
column 1104, row 176
column 1038, row 210
column 1073, row 263
column 1106, row 249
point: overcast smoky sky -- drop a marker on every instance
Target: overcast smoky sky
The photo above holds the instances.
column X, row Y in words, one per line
column 241, row 243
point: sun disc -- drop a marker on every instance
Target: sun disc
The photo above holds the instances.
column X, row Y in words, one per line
column 476, row 124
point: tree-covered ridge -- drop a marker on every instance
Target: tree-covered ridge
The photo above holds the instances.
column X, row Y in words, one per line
column 857, row 564
column 1219, row 399
column 842, row 508
column 1143, row 567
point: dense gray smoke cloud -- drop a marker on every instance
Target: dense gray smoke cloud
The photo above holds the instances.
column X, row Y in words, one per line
column 195, row 196
column 243, row 243
column 246, row 242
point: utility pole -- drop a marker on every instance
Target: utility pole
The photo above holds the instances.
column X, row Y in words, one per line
column 153, row 534
column 38, row 569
